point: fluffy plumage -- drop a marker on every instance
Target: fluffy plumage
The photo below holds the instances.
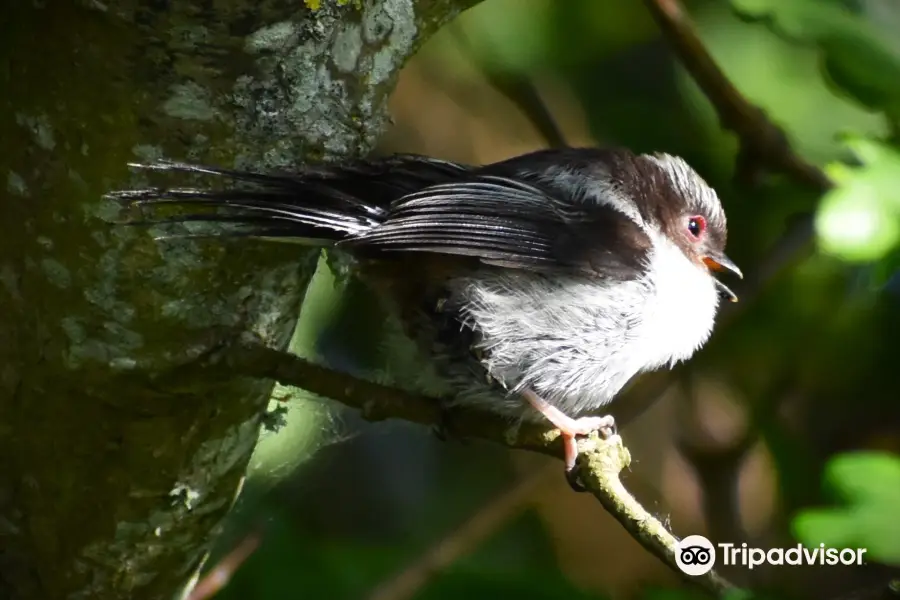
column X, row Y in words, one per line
column 566, row 272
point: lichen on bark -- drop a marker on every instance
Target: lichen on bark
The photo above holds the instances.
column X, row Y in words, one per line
column 122, row 451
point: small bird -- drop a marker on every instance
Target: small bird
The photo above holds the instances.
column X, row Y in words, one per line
column 536, row 286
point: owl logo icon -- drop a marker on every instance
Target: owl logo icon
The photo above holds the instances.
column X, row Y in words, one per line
column 695, row 555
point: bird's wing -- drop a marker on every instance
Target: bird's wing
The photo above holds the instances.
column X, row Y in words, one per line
column 510, row 223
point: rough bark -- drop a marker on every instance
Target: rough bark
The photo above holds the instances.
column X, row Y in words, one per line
column 120, row 450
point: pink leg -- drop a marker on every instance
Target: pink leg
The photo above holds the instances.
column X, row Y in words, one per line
column 569, row 427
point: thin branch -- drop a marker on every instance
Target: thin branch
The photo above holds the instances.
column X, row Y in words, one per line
column 487, row 520
column 219, row 576
column 377, row 402
column 600, row 461
column 518, row 89
column 599, row 472
column 761, row 141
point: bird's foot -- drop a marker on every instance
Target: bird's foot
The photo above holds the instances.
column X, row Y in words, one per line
column 569, row 429
column 605, row 426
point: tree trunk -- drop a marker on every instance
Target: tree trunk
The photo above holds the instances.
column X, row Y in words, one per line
column 120, row 450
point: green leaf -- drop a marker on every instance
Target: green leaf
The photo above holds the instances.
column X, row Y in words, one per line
column 866, row 486
column 856, row 57
column 859, row 220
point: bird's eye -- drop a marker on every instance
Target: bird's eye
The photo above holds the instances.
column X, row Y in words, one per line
column 696, row 226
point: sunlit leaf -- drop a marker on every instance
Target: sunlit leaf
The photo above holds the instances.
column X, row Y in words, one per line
column 860, row 219
column 867, row 487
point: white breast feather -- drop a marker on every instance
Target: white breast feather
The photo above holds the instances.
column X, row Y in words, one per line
column 682, row 310
column 577, row 342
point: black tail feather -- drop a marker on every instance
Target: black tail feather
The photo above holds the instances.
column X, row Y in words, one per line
column 264, row 179
column 285, row 234
column 327, row 203
column 380, row 181
column 272, row 206
column 247, row 206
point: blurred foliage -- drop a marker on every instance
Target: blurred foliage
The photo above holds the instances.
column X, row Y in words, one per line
column 811, row 360
column 860, row 220
column 856, row 56
column 689, row 594
column 347, row 569
column 868, row 487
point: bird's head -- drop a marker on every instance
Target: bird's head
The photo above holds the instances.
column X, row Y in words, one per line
column 677, row 201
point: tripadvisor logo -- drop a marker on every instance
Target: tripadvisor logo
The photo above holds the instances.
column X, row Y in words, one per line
column 695, row 555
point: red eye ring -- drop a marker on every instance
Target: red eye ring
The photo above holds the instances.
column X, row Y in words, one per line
column 696, row 226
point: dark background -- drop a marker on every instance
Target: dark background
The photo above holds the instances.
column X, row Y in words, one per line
column 736, row 447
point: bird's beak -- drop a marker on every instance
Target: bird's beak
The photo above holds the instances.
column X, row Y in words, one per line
column 719, row 263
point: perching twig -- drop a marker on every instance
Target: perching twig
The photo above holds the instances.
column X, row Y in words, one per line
column 600, row 475
column 377, row 402
column 600, row 461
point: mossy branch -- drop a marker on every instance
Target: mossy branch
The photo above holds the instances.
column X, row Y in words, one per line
column 600, row 461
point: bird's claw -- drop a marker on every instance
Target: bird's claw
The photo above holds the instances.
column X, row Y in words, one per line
column 605, row 427
column 570, row 428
